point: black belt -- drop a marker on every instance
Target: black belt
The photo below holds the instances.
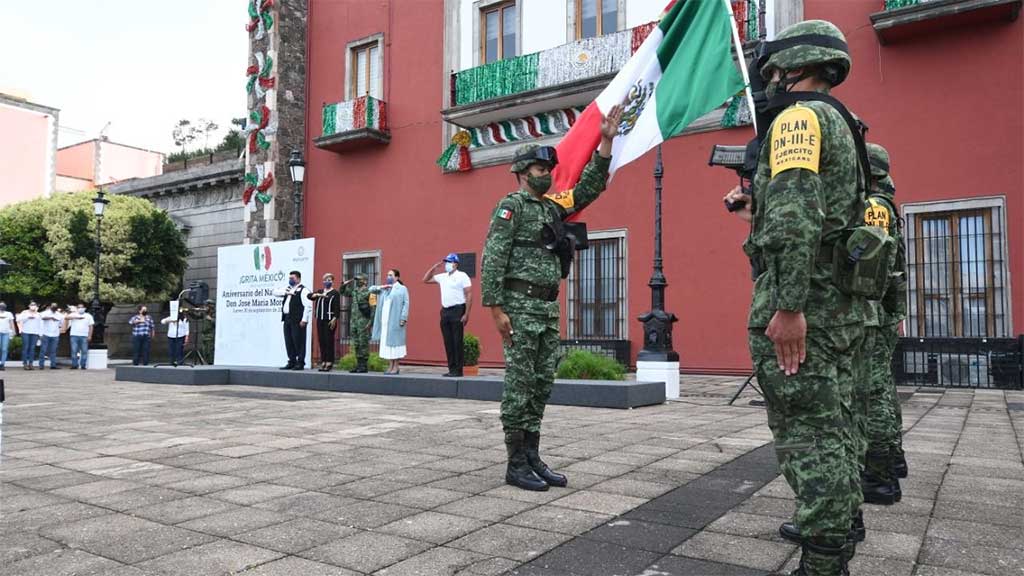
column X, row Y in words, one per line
column 453, row 307
column 528, row 244
column 547, row 293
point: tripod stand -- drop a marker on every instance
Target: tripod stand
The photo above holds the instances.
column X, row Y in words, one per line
column 197, row 352
column 749, row 382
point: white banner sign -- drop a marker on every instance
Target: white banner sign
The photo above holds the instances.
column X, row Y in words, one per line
column 249, row 330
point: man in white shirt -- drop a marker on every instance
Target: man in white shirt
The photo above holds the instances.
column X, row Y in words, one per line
column 177, row 337
column 31, row 326
column 456, row 302
column 53, row 323
column 79, row 324
column 7, row 331
column 296, row 309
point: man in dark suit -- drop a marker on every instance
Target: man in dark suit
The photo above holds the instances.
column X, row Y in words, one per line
column 295, row 312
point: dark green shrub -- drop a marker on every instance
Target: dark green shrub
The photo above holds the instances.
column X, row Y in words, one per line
column 375, row 364
column 14, row 348
column 584, row 365
column 471, row 349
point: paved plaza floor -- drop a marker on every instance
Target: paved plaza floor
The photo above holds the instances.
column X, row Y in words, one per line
column 123, row 479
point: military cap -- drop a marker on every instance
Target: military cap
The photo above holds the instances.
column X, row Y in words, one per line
column 879, row 159
column 816, row 42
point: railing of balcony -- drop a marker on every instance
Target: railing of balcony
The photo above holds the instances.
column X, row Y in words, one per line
column 363, row 112
column 894, row 4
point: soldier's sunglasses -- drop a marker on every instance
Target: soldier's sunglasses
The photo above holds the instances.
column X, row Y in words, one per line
column 545, row 154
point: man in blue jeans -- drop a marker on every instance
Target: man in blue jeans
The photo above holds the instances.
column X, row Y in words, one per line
column 7, row 331
column 53, row 323
column 79, row 325
column 31, row 326
column 142, row 336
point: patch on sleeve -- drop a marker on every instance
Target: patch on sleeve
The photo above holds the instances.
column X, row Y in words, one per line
column 796, row 141
column 564, row 199
column 876, row 214
column 504, row 214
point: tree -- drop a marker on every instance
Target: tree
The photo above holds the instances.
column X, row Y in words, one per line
column 50, row 245
column 205, row 128
column 184, row 134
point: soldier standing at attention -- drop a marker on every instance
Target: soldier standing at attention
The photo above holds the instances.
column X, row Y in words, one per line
column 360, row 320
column 885, row 463
column 804, row 332
column 520, row 279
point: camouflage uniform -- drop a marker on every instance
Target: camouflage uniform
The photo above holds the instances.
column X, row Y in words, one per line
column 884, row 415
column 800, row 210
column 513, row 251
column 359, row 323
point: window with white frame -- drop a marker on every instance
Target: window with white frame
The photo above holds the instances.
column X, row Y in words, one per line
column 365, row 68
column 958, row 277
column 595, row 17
column 596, row 298
column 499, row 27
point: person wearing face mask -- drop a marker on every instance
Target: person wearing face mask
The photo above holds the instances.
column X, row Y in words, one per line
column 327, row 303
column 79, row 325
column 295, row 312
column 30, row 324
column 177, row 337
column 142, row 336
column 7, row 331
column 456, row 302
column 520, row 279
column 53, row 322
column 360, row 319
column 392, row 315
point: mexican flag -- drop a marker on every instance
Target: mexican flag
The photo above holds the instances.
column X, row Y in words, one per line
column 682, row 71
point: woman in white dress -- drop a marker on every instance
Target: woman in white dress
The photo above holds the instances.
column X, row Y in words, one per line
column 390, row 319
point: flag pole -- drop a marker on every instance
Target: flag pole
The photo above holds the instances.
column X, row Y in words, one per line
column 738, row 46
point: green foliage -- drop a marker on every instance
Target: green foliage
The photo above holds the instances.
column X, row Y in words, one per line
column 14, row 348
column 584, row 365
column 471, row 349
column 375, row 363
column 49, row 244
column 233, row 141
column 175, row 157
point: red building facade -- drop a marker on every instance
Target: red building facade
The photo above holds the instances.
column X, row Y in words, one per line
column 940, row 88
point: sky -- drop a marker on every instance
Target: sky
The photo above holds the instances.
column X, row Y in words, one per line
column 140, row 65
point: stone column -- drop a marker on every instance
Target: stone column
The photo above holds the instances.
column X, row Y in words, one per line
column 277, row 114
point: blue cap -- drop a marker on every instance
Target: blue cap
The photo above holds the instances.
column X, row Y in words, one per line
column 453, row 257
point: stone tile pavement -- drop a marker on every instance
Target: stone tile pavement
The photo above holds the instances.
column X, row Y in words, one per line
column 106, row 478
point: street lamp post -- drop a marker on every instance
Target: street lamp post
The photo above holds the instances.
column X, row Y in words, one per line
column 658, row 361
column 297, row 167
column 99, row 204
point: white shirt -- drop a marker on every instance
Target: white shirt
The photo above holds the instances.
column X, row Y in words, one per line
column 6, row 322
column 177, row 329
column 453, row 287
column 31, row 323
column 80, row 323
column 300, row 291
column 52, row 323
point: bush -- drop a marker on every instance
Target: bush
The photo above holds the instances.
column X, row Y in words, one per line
column 14, row 348
column 375, row 364
column 470, row 350
column 583, row 365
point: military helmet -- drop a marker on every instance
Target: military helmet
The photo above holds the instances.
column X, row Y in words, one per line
column 529, row 154
column 807, row 43
column 879, row 159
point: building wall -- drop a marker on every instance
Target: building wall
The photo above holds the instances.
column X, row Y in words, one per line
column 119, row 162
column 26, row 154
column 394, row 198
column 72, row 184
column 78, row 161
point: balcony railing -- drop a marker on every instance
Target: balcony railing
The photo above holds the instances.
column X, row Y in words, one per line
column 354, row 123
column 901, row 19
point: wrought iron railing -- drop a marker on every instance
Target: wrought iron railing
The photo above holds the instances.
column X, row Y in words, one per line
column 960, row 362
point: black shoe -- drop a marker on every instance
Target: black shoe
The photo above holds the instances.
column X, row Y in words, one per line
column 899, row 463
column 519, row 473
column 299, row 367
column 448, row 374
column 538, row 465
column 457, row 374
column 289, row 366
column 790, row 531
column 2, row 369
column 880, row 492
column 857, row 530
column 54, row 367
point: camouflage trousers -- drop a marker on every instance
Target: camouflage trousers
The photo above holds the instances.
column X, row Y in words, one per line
column 529, row 370
column 885, row 419
column 811, row 418
column 862, row 393
column 360, row 338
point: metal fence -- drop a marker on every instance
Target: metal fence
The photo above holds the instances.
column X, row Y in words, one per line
column 960, row 362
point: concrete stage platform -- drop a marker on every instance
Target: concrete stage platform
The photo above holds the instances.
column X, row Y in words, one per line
column 589, row 393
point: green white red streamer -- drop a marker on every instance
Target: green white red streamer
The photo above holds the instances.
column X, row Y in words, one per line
column 364, row 112
column 260, row 18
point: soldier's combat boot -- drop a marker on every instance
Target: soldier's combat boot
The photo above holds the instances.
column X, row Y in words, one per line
column 361, row 366
column 818, row 559
column 877, row 483
column 899, row 463
column 518, row 473
column 790, row 531
column 539, row 467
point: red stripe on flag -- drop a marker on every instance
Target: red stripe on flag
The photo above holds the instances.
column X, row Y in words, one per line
column 576, row 148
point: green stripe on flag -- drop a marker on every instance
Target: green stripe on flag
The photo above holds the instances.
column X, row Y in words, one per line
column 696, row 57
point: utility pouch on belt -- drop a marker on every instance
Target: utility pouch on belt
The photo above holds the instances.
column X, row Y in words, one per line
column 366, row 308
column 861, row 259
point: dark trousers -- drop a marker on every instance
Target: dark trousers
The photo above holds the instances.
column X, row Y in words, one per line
column 451, row 331
column 325, row 335
column 140, row 349
column 176, row 347
column 295, row 343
